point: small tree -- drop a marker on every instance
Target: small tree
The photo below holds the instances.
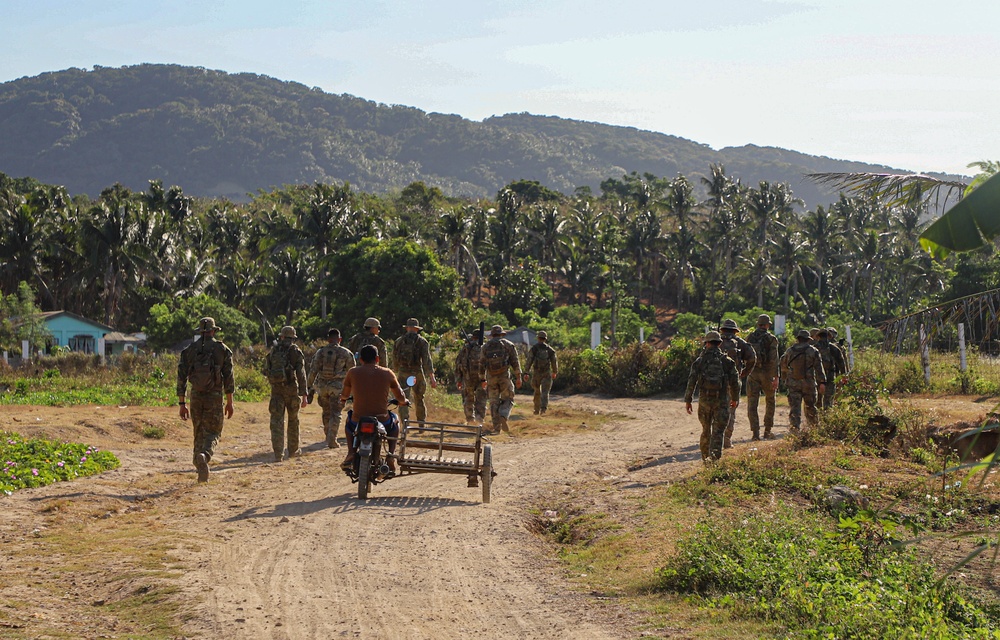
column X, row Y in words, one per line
column 21, row 320
column 174, row 321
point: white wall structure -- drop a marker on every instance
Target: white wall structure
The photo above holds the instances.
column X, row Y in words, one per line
column 595, row 334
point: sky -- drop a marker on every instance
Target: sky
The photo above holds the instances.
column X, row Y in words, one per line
column 911, row 84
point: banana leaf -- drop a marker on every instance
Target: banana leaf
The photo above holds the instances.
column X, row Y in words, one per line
column 970, row 224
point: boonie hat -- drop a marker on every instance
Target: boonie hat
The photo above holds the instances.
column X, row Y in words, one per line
column 497, row 330
column 713, row 336
column 831, row 331
column 541, row 335
column 762, row 318
column 287, row 331
column 729, row 323
column 208, row 324
column 372, row 322
column 822, row 332
column 413, row 322
column 802, row 333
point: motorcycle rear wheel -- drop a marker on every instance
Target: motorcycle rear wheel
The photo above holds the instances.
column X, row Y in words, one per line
column 364, row 476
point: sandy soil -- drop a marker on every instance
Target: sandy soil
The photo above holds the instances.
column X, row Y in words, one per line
column 286, row 550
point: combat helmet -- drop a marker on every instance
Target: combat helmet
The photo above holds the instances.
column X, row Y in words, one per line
column 730, row 324
column 287, row 331
column 713, row 336
column 372, row 323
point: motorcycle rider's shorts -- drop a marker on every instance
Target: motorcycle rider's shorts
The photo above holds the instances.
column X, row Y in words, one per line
column 391, row 424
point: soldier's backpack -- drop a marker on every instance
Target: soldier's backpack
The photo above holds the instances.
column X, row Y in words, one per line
column 280, row 368
column 713, row 371
column 407, row 353
column 496, row 357
column 826, row 357
column 541, row 357
column 795, row 367
column 204, row 373
column 327, row 364
column 731, row 348
column 761, row 342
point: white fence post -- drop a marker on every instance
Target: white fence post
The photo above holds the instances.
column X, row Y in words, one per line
column 963, row 363
column 850, row 347
column 925, row 354
column 595, row 334
column 25, row 351
column 642, row 335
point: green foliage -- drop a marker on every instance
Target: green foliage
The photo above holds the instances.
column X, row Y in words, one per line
column 37, row 462
column 521, row 287
column 393, row 280
column 907, row 379
column 690, row 325
column 176, row 320
column 788, row 567
column 20, row 320
column 636, row 370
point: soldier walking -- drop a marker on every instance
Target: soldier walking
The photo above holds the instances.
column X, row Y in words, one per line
column 470, row 380
column 498, row 364
column 714, row 377
column 411, row 355
column 369, row 335
column 763, row 378
column 326, row 376
column 207, row 364
column 543, row 366
column 742, row 354
column 833, row 364
column 285, row 369
column 802, row 370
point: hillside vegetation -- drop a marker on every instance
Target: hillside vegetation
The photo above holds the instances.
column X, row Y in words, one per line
column 221, row 134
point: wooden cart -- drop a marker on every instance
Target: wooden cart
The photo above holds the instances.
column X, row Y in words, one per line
column 440, row 447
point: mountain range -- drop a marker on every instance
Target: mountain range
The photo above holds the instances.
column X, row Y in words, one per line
column 218, row 134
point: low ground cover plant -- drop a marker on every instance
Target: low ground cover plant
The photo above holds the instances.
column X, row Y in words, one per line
column 37, row 462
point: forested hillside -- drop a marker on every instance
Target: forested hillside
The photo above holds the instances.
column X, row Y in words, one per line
column 220, row 134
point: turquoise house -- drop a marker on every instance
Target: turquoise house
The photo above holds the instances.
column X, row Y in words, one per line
column 84, row 335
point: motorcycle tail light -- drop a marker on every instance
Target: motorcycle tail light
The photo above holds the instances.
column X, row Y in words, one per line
column 367, row 427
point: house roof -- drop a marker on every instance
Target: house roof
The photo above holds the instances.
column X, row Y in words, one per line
column 50, row 315
column 118, row 336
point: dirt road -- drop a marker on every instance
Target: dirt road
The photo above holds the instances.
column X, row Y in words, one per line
column 286, row 551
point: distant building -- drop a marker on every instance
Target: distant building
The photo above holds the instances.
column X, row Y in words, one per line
column 82, row 334
column 522, row 335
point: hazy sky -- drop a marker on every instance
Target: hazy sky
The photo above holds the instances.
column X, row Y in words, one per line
column 913, row 84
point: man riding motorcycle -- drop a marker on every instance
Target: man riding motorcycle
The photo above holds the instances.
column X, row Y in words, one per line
column 371, row 384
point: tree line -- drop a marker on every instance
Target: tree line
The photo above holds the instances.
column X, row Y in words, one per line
column 323, row 253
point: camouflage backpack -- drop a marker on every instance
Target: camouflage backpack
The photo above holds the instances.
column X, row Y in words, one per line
column 205, row 374
column 472, row 358
column 826, row 357
column 407, row 352
column 327, row 364
column 713, row 371
column 541, row 356
column 496, row 357
column 761, row 341
column 795, row 368
column 280, row 367
column 731, row 348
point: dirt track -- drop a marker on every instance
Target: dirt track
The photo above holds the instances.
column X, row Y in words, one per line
column 287, row 551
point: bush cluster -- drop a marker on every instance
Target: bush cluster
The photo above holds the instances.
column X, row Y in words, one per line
column 635, row 370
column 37, row 462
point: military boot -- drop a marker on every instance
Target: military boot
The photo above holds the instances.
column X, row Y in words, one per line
column 767, row 434
column 727, row 443
column 756, row 436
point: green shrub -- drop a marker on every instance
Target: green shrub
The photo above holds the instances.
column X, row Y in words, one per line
column 788, row 568
column 37, row 462
column 908, row 378
column 154, row 432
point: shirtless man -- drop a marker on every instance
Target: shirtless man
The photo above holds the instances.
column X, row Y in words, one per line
column 371, row 385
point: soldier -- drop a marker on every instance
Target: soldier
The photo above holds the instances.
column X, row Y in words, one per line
column 715, row 378
column 498, row 363
column 369, row 335
column 326, row 377
column 543, row 366
column 208, row 365
column 802, row 369
column 411, row 356
column 741, row 353
column 285, row 369
column 469, row 380
column 833, row 365
column 763, row 378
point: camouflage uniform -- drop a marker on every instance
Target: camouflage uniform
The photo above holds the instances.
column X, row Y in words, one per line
column 498, row 363
column 467, row 371
column 366, row 336
column 286, row 395
column 411, row 356
column 326, row 375
column 741, row 353
column 714, row 376
column 761, row 379
column 834, row 364
column 802, row 369
column 543, row 365
column 206, row 400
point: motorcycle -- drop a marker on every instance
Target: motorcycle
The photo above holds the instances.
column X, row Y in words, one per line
column 371, row 446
